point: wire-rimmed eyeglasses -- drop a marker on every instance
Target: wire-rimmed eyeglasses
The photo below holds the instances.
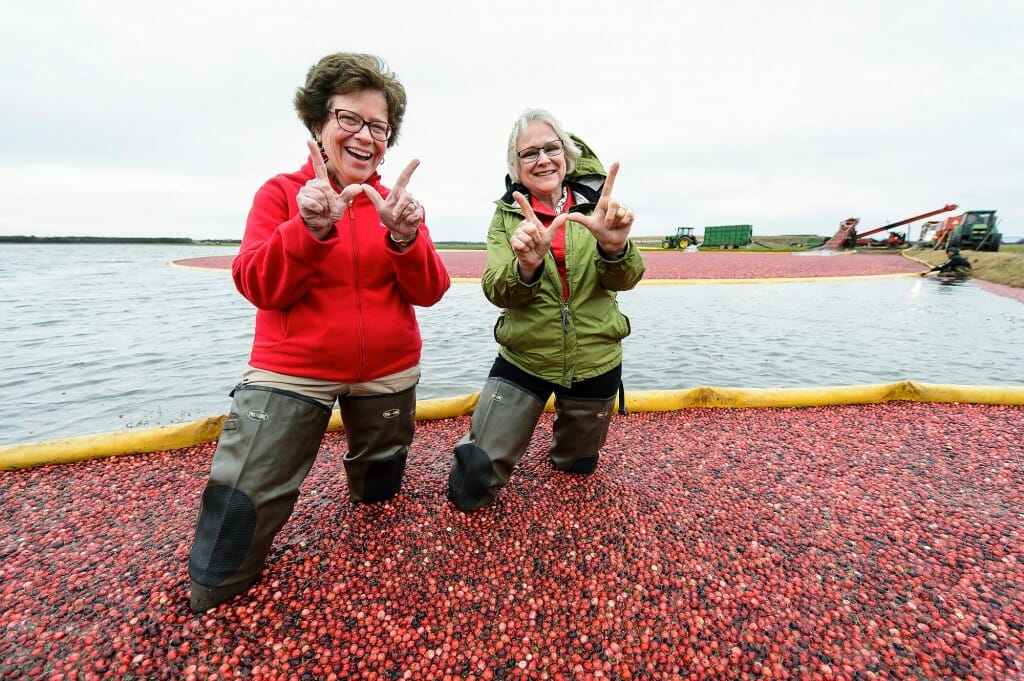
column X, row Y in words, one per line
column 531, row 155
column 350, row 121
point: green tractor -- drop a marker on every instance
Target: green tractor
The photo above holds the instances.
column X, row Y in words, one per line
column 977, row 231
column 683, row 238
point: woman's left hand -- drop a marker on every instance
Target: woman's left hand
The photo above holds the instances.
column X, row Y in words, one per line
column 611, row 220
column 400, row 213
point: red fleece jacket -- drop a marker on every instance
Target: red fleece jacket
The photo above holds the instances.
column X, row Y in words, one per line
column 341, row 309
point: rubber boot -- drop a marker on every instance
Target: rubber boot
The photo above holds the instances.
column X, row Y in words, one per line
column 578, row 433
column 267, row 445
column 379, row 430
column 499, row 433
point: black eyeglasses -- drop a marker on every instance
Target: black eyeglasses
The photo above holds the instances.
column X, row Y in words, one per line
column 531, row 155
column 353, row 122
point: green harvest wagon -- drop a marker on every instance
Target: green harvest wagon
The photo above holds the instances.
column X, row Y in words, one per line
column 728, row 236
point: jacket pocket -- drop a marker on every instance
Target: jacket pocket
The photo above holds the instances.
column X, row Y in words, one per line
column 621, row 328
column 528, row 334
column 503, row 332
column 609, row 325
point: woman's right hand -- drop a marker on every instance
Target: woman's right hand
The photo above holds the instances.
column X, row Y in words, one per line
column 532, row 240
column 319, row 205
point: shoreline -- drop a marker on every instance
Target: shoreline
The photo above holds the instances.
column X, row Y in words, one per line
column 708, row 267
column 682, row 266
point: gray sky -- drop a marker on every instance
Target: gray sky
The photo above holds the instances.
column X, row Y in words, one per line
column 162, row 119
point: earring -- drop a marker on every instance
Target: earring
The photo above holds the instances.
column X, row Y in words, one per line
column 320, row 146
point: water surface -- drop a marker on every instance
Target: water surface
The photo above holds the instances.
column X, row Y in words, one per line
column 98, row 338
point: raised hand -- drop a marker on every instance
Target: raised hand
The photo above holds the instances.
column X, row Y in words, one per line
column 319, row 205
column 532, row 240
column 611, row 221
column 400, row 212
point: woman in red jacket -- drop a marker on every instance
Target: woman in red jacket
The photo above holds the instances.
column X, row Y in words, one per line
column 334, row 263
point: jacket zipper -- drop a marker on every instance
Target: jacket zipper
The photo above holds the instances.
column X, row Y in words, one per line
column 567, row 371
column 568, row 285
column 359, row 301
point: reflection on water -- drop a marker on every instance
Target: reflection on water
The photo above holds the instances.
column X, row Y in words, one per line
column 99, row 338
column 822, row 334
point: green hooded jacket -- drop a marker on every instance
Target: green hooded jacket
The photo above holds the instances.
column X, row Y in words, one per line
column 553, row 339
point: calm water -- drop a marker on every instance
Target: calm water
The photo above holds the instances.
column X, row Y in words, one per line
column 100, row 338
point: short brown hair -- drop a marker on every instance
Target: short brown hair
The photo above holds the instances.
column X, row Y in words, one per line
column 344, row 72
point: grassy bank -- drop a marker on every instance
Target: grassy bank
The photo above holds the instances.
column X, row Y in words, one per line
column 1004, row 267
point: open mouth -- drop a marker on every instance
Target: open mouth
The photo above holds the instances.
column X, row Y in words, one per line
column 358, row 153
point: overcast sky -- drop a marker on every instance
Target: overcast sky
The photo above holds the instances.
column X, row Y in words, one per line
column 162, row 119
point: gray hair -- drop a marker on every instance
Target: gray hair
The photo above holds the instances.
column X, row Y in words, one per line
column 570, row 149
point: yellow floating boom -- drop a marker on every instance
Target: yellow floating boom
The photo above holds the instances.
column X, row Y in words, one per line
column 164, row 438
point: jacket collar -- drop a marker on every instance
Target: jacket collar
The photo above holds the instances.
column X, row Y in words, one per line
column 583, row 193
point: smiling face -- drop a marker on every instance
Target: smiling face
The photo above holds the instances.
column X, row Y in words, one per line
column 352, row 157
column 544, row 177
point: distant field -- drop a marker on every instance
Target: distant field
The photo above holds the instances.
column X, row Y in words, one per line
column 460, row 245
column 776, row 242
column 790, row 242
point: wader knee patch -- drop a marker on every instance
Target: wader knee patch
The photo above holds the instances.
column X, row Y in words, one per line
column 383, row 479
column 470, row 480
column 224, row 534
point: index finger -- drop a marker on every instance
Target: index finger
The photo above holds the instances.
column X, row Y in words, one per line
column 319, row 167
column 524, row 204
column 406, row 175
column 610, row 180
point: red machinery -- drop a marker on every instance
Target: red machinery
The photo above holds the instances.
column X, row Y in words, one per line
column 847, row 236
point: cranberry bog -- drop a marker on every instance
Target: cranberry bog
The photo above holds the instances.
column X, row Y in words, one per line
column 847, row 542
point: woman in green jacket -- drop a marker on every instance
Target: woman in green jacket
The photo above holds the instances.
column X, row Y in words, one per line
column 558, row 250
